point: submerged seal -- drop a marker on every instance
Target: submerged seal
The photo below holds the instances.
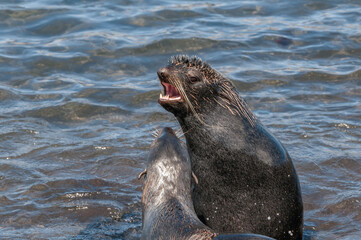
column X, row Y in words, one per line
column 247, row 181
column 168, row 211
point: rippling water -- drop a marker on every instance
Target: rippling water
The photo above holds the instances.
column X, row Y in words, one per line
column 78, row 103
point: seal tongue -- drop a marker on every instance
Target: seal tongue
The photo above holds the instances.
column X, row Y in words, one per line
column 170, row 91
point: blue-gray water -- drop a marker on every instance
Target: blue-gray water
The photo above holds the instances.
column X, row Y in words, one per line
column 78, row 103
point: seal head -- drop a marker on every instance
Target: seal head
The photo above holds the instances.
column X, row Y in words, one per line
column 191, row 87
column 168, row 211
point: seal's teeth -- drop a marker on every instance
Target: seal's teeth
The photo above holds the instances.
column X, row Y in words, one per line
column 176, row 98
column 169, row 98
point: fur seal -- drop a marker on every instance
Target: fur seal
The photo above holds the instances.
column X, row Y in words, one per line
column 247, row 181
column 168, row 211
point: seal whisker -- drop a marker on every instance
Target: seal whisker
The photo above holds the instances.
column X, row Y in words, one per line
column 180, row 89
column 186, row 132
column 144, row 172
column 181, row 136
column 155, row 133
column 179, row 133
column 195, row 178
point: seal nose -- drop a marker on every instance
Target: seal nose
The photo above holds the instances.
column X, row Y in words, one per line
column 163, row 73
column 167, row 130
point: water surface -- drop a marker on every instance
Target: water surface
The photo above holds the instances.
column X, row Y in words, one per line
column 78, row 104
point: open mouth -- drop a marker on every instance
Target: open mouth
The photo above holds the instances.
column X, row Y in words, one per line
column 170, row 93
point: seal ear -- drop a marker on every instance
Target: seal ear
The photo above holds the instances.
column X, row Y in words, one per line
column 144, row 172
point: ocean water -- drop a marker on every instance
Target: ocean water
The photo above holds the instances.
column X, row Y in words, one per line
column 78, row 104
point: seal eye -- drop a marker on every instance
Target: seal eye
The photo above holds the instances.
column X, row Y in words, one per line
column 193, row 79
